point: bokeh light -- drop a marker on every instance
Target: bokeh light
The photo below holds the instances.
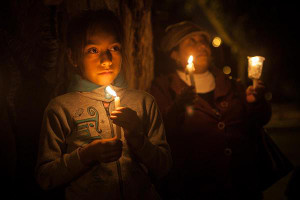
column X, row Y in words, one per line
column 268, row 96
column 217, row 41
column 226, row 70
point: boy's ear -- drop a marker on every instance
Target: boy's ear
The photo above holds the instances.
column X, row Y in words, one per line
column 70, row 58
column 174, row 55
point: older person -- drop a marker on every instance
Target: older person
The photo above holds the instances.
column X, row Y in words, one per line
column 211, row 127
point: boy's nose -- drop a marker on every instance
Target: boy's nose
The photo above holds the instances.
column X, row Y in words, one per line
column 106, row 59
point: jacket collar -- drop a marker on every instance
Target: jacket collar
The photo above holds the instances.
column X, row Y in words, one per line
column 223, row 83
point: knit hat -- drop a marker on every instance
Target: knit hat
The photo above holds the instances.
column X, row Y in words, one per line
column 176, row 33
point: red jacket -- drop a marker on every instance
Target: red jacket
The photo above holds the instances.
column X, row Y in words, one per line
column 214, row 150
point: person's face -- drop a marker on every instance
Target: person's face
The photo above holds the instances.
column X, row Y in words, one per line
column 197, row 46
column 102, row 58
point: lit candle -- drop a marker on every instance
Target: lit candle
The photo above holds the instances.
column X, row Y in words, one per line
column 117, row 104
column 117, row 101
column 190, row 68
column 255, row 65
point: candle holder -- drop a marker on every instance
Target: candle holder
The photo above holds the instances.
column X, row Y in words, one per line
column 255, row 65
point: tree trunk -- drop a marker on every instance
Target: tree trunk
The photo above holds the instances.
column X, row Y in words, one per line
column 138, row 34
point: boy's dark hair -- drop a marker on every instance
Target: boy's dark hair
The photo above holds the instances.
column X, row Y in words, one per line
column 87, row 22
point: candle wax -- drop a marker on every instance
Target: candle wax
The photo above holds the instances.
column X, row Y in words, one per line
column 190, row 68
column 192, row 79
column 117, row 102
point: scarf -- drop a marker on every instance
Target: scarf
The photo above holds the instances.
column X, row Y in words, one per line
column 204, row 82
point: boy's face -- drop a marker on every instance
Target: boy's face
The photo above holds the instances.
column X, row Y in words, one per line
column 197, row 46
column 101, row 58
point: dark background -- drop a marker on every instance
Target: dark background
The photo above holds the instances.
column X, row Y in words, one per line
column 266, row 28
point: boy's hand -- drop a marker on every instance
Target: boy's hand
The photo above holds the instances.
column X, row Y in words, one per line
column 105, row 150
column 129, row 121
column 126, row 118
column 253, row 95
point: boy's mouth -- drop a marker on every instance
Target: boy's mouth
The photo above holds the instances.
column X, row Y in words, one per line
column 106, row 72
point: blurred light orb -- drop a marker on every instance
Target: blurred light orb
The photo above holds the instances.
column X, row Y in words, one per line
column 217, row 41
column 268, row 96
column 226, row 70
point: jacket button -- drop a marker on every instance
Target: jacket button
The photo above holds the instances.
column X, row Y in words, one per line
column 221, row 125
column 227, row 151
column 224, row 104
column 217, row 113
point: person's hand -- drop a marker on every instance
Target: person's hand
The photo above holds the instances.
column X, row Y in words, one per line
column 130, row 122
column 255, row 94
column 186, row 96
column 104, row 150
column 126, row 118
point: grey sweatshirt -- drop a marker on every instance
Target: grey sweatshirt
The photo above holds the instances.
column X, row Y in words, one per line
column 75, row 119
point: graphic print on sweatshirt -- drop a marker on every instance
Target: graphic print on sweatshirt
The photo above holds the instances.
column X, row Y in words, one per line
column 87, row 126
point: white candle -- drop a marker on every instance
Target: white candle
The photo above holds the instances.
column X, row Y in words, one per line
column 118, row 128
column 190, row 68
column 117, row 104
column 117, row 101
column 255, row 65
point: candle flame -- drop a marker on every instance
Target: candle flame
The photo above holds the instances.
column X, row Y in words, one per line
column 111, row 91
column 190, row 60
column 190, row 65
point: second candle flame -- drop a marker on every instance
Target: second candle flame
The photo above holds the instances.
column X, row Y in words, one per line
column 190, row 60
column 190, row 65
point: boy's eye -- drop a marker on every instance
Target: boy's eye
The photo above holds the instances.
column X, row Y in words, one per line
column 115, row 48
column 93, row 51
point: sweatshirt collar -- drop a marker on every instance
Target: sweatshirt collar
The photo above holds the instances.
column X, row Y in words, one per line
column 79, row 84
column 97, row 92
